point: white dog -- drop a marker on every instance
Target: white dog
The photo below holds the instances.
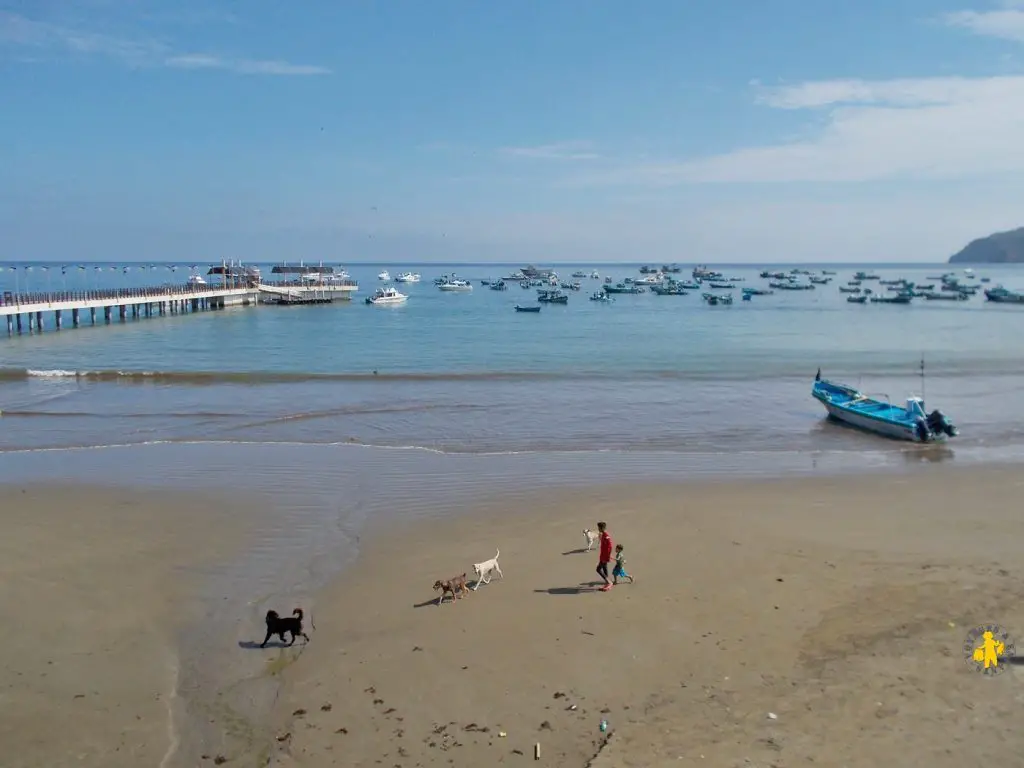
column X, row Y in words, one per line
column 484, row 570
column 592, row 536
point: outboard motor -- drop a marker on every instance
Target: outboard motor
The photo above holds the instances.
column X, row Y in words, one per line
column 939, row 424
column 921, row 428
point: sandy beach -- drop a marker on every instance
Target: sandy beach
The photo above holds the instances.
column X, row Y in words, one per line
column 772, row 623
column 93, row 586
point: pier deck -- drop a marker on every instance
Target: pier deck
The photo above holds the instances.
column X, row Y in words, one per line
column 139, row 301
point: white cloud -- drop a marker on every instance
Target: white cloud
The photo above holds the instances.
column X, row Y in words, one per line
column 21, row 32
column 241, row 66
column 927, row 128
column 1007, row 22
column 567, row 150
column 867, row 130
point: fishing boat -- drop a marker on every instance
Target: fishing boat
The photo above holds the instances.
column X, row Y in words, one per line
column 714, row 300
column 946, row 296
column 899, row 298
column 849, row 289
column 758, row 291
column 846, row 404
column 498, row 286
column 669, row 289
column 408, row 277
column 862, row 299
column 1004, row 296
column 385, row 296
column 554, row 296
column 602, row 296
column 722, row 286
column 520, row 308
column 578, row 274
column 623, row 288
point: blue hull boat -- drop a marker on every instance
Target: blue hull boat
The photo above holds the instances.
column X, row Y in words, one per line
column 846, row 404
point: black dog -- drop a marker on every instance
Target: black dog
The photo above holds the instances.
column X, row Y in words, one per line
column 276, row 625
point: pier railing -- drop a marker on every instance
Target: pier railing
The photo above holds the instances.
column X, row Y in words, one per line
column 12, row 299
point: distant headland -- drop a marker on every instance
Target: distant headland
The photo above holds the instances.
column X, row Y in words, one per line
column 999, row 248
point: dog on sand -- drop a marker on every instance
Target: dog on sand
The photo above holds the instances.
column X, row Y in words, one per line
column 281, row 625
column 483, row 570
column 591, row 537
column 455, row 586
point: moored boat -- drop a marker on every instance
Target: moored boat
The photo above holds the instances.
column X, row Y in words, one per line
column 456, row 285
column 899, row 298
column 1004, row 296
column 520, row 308
column 623, row 288
column 714, row 300
column 846, row 404
column 385, row 275
column 553, row 296
column 862, row 299
column 408, row 277
column 384, row 296
column 601, row 296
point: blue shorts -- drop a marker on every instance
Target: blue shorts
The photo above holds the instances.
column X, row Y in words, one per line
column 618, row 570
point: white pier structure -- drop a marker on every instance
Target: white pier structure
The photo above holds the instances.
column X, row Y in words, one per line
column 29, row 309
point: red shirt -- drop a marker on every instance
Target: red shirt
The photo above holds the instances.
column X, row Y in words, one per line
column 606, row 547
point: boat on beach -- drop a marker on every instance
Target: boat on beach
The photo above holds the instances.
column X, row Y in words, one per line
column 848, row 405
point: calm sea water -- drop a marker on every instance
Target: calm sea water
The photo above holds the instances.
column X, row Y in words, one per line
column 465, row 373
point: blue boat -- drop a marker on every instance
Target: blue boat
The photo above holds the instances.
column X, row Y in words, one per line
column 846, row 404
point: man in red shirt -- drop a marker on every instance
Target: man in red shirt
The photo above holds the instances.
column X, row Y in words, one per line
column 606, row 555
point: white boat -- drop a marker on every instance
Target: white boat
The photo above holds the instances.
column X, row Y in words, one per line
column 385, row 275
column 408, row 277
column 195, row 279
column 456, row 285
column 386, row 296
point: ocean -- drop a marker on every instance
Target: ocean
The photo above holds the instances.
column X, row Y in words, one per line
column 339, row 417
column 464, row 373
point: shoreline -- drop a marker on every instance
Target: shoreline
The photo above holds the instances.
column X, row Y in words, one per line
column 750, row 597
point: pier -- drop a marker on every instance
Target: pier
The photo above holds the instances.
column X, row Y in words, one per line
column 27, row 311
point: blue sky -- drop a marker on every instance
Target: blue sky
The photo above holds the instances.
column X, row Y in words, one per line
column 558, row 130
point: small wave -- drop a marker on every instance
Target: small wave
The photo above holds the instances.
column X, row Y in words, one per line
column 54, row 374
column 748, row 374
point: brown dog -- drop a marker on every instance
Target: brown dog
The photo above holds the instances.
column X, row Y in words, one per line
column 456, row 585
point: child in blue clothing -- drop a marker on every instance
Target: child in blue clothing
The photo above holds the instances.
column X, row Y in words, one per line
column 619, row 572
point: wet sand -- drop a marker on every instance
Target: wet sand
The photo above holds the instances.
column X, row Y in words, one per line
column 94, row 585
column 772, row 623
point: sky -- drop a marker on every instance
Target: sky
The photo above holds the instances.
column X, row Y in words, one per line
column 509, row 130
